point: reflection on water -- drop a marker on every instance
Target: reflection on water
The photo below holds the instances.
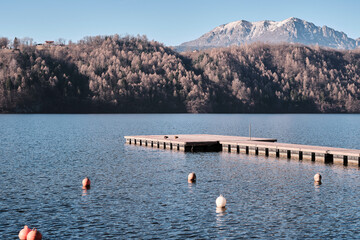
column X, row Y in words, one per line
column 220, row 220
column 317, row 184
column 140, row 192
column 221, row 211
column 191, row 186
column 85, row 191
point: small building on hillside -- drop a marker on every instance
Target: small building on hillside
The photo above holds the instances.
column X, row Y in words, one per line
column 49, row 43
column 40, row 46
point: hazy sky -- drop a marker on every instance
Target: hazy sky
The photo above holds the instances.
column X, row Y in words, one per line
column 168, row 21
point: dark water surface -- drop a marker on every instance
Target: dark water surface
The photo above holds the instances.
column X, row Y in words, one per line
column 143, row 193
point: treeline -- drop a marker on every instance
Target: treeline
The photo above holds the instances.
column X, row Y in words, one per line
column 132, row 74
column 284, row 78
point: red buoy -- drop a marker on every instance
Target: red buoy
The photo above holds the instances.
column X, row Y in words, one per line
column 86, row 182
column 34, row 235
column 24, row 232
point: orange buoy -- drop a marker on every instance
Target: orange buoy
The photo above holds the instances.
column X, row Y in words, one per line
column 192, row 177
column 86, row 182
column 24, row 232
column 34, row 235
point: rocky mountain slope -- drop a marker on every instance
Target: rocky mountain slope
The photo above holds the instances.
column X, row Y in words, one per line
column 291, row 30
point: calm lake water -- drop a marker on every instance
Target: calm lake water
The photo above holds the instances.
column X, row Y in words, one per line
column 143, row 193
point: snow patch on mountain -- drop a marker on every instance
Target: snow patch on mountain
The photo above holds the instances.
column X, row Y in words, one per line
column 291, row 30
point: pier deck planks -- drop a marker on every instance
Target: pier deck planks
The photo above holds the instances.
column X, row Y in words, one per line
column 238, row 144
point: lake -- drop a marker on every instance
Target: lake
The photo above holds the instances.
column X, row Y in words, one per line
column 143, row 193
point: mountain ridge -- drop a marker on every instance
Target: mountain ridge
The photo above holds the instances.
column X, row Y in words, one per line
column 291, row 30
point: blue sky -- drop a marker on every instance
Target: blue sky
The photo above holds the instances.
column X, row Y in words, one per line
column 168, row 21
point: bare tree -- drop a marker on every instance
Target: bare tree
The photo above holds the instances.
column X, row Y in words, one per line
column 61, row 41
column 4, row 42
column 27, row 41
column 16, row 43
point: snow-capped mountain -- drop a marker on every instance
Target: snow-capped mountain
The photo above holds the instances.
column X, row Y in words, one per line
column 291, row 30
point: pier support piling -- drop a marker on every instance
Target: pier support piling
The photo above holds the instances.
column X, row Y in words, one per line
column 328, row 158
column 288, row 154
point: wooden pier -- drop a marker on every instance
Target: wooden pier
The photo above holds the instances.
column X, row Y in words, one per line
column 255, row 146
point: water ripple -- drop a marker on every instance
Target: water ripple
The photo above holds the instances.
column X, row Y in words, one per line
column 142, row 193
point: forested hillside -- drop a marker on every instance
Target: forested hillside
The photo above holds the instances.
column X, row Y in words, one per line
column 285, row 78
column 132, row 74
